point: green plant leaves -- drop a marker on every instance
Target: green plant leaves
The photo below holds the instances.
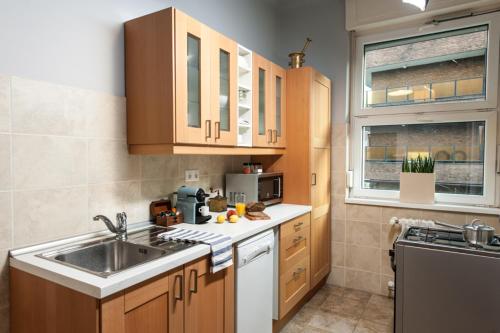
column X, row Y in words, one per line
column 418, row 165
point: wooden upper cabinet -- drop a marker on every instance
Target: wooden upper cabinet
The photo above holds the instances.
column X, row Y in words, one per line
column 224, row 87
column 269, row 103
column 278, row 86
column 192, row 81
column 263, row 121
column 321, row 115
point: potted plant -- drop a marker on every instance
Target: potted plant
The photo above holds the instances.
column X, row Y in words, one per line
column 417, row 180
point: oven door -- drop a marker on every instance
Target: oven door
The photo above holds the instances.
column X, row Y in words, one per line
column 270, row 188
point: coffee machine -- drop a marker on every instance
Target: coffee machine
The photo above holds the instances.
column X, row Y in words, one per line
column 189, row 201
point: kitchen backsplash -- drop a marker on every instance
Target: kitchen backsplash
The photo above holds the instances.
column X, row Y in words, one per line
column 64, row 159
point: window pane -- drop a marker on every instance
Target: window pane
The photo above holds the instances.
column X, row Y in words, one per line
column 457, row 147
column 224, row 90
column 439, row 67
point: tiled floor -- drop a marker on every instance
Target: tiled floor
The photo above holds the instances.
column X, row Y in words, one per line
column 340, row 310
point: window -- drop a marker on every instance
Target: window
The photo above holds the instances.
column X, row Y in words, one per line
column 429, row 92
column 441, row 67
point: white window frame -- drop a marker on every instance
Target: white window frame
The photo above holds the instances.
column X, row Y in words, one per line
column 490, row 119
column 492, row 65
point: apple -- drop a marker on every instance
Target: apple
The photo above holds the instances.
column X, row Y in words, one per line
column 230, row 213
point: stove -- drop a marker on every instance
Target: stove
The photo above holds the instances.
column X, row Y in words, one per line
column 437, row 276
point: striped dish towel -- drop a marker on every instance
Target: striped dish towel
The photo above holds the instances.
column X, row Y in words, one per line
column 220, row 245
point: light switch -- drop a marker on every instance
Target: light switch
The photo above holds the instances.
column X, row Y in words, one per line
column 192, row 175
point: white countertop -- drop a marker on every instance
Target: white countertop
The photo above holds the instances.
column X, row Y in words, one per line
column 99, row 287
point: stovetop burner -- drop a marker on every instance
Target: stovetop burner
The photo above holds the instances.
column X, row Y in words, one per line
column 445, row 237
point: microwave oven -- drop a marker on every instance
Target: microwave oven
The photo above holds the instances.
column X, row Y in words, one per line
column 258, row 187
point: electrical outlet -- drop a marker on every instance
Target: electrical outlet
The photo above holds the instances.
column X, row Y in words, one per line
column 191, row 175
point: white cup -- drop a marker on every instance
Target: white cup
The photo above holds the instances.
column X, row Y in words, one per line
column 203, row 210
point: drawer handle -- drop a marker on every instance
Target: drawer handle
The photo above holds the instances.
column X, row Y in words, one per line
column 297, row 240
column 297, row 273
column 217, row 130
column 270, row 139
column 275, row 136
column 208, row 129
column 194, row 290
column 179, row 283
column 297, row 225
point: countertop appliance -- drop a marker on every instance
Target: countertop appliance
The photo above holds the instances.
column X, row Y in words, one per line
column 443, row 284
column 254, row 284
column 263, row 187
column 189, row 201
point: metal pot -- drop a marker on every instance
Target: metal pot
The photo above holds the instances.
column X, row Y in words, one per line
column 478, row 234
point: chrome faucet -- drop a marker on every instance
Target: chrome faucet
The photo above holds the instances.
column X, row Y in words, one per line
column 120, row 229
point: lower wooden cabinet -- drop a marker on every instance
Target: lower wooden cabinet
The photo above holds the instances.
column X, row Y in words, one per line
column 188, row 299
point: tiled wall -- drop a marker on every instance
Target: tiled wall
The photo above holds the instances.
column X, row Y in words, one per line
column 362, row 235
column 64, row 159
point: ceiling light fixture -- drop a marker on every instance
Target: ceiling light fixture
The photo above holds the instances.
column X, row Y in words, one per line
column 420, row 4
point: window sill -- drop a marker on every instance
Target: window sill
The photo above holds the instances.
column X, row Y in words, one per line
column 436, row 206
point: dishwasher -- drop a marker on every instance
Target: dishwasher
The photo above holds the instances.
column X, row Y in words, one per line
column 254, row 284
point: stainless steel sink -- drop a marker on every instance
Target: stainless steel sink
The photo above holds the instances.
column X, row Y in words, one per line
column 110, row 256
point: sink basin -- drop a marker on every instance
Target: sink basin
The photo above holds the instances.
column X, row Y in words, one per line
column 107, row 258
column 110, row 256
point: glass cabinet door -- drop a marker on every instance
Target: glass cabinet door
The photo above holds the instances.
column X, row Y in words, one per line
column 263, row 119
column 192, row 81
column 224, row 89
column 279, row 106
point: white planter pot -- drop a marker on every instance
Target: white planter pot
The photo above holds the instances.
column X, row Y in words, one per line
column 417, row 187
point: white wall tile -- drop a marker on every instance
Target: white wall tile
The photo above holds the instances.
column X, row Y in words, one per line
column 48, row 161
column 45, row 108
column 5, row 162
column 110, row 161
column 5, row 221
column 161, row 167
column 4, row 103
column 106, row 116
column 44, row 215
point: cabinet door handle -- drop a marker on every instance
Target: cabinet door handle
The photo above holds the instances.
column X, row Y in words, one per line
column 298, row 225
column 297, row 273
column 179, row 281
column 275, row 136
column 208, row 128
column 217, row 130
column 314, row 179
column 270, row 135
column 297, row 240
column 193, row 290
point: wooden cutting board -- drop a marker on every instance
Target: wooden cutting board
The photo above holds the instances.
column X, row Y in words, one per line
column 254, row 216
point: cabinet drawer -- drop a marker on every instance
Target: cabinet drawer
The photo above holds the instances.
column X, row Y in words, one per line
column 294, row 248
column 295, row 225
column 294, row 285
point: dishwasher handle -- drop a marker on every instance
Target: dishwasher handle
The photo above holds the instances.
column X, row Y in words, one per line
column 257, row 254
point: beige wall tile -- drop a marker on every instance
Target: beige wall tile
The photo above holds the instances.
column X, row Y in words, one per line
column 156, row 189
column 338, row 135
column 46, row 108
column 337, row 276
column 5, row 220
column 207, row 165
column 364, row 213
column 112, row 198
column 4, row 320
column 237, row 162
column 4, row 103
column 385, row 263
column 339, row 208
column 5, row 162
column 363, row 258
column 338, row 254
column 161, row 167
column 362, row 280
column 106, row 116
column 363, row 233
column 338, row 159
column 389, row 212
column 110, row 161
column 447, row 217
column 48, row 161
column 339, row 231
column 492, row 220
column 338, row 186
column 45, row 215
